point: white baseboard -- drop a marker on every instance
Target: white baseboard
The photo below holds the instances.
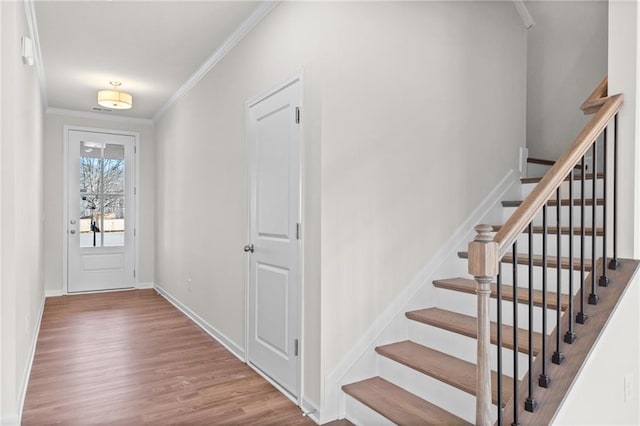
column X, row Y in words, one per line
column 53, row 293
column 10, row 421
column 141, row 286
column 211, row 330
column 333, row 403
column 27, row 372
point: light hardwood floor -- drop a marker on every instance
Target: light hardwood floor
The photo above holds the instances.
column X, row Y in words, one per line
column 129, row 358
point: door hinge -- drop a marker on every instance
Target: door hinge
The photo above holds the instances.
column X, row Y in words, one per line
column 295, row 347
column 134, row 232
column 135, row 191
column 297, row 115
column 298, row 231
column 134, row 273
column 135, row 149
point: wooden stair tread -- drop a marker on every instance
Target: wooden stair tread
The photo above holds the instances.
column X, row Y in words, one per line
column 553, row 230
column 398, row 405
column 445, row 368
column 467, row 326
column 576, row 178
column 542, row 161
column 552, row 261
column 466, row 285
column 563, row 202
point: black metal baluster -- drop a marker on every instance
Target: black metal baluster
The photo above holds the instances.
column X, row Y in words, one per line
column 499, row 341
column 581, row 317
column 544, row 380
column 558, row 356
column 593, row 297
column 516, row 407
column 570, row 336
column 604, row 279
column 530, row 403
column 614, row 263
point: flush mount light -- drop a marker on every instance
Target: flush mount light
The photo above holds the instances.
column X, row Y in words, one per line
column 114, row 98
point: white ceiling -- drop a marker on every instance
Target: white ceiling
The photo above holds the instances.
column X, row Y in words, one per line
column 152, row 47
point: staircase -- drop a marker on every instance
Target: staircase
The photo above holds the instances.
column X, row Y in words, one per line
column 543, row 296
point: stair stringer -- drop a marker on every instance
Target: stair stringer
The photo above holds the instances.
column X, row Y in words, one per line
column 612, row 368
column 391, row 326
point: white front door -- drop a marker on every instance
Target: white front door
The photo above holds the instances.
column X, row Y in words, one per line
column 100, row 218
column 273, row 145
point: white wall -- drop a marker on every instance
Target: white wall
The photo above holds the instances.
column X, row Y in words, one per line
column 423, row 114
column 406, row 105
column 566, row 59
column 598, row 395
column 200, row 205
column 54, row 231
column 21, row 211
column 624, row 72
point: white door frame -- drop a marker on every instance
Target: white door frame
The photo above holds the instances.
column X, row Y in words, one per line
column 65, row 213
column 297, row 77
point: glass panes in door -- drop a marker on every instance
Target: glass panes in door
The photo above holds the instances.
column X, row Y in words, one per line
column 102, row 195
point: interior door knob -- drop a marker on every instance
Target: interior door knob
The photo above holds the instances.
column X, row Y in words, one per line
column 72, row 231
column 249, row 247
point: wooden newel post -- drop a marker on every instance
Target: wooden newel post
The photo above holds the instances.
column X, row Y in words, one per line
column 483, row 265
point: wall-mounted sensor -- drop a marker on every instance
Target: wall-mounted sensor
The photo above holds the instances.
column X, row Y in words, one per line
column 27, row 51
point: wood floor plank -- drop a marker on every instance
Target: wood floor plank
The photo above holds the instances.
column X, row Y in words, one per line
column 341, row 422
column 131, row 358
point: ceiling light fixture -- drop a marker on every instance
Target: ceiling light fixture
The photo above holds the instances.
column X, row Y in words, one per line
column 114, row 98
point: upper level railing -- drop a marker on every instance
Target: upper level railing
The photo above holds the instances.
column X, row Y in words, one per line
column 487, row 252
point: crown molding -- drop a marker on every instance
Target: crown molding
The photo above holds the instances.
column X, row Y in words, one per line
column 98, row 116
column 527, row 19
column 259, row 13
column 32, row 24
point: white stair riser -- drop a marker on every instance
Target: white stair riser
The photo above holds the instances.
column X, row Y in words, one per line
column 552, row 276
column 552, row 245
column 538, row 273
column 462, row 347
column 564, row 216
column 361, row 415
column 537, row 170
column 466, row 304
column 439, row 393
column 564, row 189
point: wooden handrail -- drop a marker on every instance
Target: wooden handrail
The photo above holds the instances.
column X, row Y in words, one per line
column 556, row 175
column 485, row 252
column 597, row 98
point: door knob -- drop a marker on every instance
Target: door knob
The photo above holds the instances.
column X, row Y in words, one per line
column 249, row 247
column 72, row 231
column 73, row 222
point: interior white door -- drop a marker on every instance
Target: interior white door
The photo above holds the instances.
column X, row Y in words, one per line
column 274, row 204
column 100, row 222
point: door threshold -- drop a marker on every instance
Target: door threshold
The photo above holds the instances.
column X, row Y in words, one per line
column 109, row 290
